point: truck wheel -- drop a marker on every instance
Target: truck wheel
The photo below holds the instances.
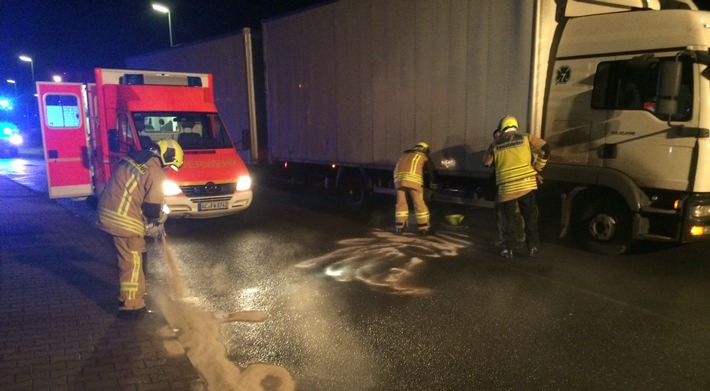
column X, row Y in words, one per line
column 355, row 191
column 606, row 228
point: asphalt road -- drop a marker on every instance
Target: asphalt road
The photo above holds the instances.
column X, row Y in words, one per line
column 326, row 299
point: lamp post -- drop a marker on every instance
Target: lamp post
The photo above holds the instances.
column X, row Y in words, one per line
column 163, row 9
column 14, row 83
column 32, row 67
column 27, row 108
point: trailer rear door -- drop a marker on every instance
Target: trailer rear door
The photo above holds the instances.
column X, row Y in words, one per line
column 62, row 108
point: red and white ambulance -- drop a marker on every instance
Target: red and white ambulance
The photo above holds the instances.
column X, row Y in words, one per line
column 87, row 128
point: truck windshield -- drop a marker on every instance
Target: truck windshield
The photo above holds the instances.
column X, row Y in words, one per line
column 191, row 130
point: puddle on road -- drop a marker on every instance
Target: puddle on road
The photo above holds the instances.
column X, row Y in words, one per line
column 383, row 261
column 198, row 331
column 386, row 261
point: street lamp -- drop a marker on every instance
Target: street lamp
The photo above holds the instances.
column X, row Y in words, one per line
column 14, row 83
column 32, row 67
column 165, row 10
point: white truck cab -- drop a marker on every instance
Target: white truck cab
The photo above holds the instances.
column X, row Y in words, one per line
column 626, row 116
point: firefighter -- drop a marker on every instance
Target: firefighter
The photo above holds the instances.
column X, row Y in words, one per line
column 409, row 180
column 518, row 158
column 491, row 195
column 131, row 201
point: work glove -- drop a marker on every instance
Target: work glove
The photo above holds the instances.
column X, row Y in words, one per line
column 155, row 230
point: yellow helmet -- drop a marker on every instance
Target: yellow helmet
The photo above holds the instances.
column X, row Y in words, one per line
column 422, row 147
column 507, row 122
column 170, row 153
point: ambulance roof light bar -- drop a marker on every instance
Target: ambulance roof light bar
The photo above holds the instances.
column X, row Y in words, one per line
column 161, row 80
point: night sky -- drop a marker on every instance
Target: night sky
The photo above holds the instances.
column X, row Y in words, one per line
column 72, row 37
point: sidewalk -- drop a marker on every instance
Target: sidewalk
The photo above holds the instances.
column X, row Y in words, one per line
column 58, row 298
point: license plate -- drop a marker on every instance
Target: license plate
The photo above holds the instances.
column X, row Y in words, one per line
column 213, row 205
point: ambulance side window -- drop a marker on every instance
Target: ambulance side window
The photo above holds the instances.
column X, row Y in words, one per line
column 62, row 111
column 126, row 141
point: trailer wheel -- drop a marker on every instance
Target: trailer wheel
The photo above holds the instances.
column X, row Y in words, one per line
column 355, row 190
column 605, row 227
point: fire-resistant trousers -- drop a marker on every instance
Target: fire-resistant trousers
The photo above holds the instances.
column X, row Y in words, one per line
column 420, row 209
column 528, row 209
column 129, row 251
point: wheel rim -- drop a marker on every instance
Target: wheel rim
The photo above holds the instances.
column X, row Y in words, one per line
column 602, row 227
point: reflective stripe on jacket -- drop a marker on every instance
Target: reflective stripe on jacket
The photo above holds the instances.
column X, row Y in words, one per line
column 120, row 210
column 409, row 171
column 513, row 164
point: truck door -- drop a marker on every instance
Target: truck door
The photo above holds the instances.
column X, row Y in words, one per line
column 638, row 141
column 62, row 108
column 574, row 129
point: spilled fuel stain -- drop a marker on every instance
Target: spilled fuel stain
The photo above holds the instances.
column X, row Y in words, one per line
column 198, row 332
column 387, row 262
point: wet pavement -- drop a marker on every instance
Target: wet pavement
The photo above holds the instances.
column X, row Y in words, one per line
column 58, row 301
column 288, row 294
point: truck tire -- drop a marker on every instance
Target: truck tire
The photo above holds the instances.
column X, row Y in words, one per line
column 605, row 226
column 355, row 190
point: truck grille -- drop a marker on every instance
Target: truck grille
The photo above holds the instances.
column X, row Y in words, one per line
column 210, row 189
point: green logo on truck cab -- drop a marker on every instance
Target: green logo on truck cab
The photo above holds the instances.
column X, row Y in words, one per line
column 563, row 74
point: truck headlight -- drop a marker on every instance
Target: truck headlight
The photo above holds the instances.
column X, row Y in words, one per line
column 16, row 139
column 170, row 188
column 243, row 183
column 700, row 211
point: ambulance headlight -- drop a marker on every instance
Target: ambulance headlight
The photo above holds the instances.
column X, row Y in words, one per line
column 16, row 139
column 170, row 188
column 243, row 183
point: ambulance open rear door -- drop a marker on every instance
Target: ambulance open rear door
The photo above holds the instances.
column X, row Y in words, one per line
column 62, row 108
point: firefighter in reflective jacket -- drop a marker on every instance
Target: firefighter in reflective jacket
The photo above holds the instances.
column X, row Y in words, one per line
column 517, row 158
column 409, row 180
column 132, row 199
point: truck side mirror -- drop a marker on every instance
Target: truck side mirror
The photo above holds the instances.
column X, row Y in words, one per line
column 246, row 140
column 669, row 79
column 113, row 144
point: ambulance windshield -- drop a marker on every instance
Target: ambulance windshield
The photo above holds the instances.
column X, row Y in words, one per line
column 191, row 130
